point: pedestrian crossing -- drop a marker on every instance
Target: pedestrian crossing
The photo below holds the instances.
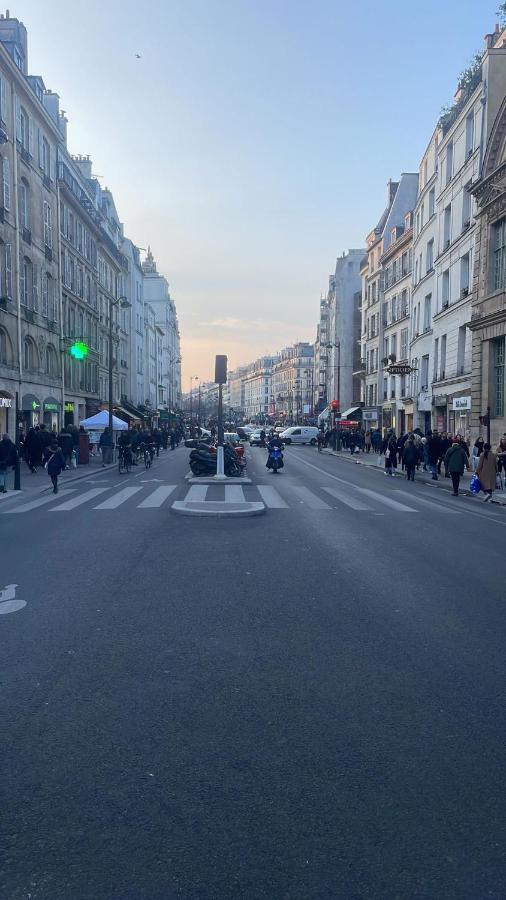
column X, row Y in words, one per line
column 287, row 495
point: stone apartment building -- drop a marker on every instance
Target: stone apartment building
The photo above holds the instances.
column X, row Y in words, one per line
column 488, row 317
column 397, row 264
column 401, row 199
column 321, row 359
column 343, row 331
column 425, row 242
column 292, row 382
column 30, row 313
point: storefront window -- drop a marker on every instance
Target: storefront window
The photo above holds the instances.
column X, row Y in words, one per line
column 498, row 377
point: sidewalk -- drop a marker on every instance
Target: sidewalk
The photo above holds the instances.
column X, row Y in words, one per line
column 371, row 461
column 32, row 485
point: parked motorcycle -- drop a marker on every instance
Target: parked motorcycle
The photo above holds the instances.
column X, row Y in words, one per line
column 203, row 461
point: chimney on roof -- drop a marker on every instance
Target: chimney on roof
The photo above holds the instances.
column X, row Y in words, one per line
column 391, row 191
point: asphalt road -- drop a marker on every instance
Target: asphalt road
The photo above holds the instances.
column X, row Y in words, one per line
column 308, row 705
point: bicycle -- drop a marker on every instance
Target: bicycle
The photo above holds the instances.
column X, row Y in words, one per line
column 146, row 456
column 124, row 460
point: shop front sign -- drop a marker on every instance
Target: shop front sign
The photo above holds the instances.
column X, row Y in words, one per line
column 461, row 403
column 5, row 403
column 69, row 407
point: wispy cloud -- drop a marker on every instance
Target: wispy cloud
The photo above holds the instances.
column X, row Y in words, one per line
column 235, row 324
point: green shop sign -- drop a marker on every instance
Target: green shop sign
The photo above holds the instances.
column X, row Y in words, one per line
column 51, row 407
column 69, row 407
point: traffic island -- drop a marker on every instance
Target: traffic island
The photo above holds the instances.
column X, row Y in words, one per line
column 211, row 479
column 217, row 508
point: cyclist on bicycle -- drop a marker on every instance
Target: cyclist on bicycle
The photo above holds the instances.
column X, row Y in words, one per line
column 125, row 445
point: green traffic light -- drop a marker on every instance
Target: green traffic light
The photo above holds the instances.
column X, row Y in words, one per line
column 79, row 350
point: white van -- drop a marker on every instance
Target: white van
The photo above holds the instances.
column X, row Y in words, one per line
column 300, row 434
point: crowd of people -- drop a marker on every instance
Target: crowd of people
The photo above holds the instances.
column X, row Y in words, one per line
column 432, row 452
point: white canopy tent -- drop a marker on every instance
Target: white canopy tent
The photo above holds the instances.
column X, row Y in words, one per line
column 101, row 421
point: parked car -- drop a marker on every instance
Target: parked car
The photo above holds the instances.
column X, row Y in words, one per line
column 232, row 437
column 300, row 434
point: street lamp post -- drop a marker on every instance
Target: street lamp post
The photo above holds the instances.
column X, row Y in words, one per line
column 192, row 379
column 123, row 303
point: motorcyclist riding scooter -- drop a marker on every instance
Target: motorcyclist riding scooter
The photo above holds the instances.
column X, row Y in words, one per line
column 275, row 457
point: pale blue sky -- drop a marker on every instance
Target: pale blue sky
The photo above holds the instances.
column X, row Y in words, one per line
column 252, row 142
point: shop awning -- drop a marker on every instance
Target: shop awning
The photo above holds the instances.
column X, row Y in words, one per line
column 133, row 411
column 30, row 403
column 351, row 412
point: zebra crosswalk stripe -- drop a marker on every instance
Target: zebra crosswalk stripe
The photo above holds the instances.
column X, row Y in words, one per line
column 347, row 499
column 157, row 497
column 310, row 499
column 78, row 501
column 271, row 497
column 387, row 501
column 196, row 494
column 234, row 493
column 119, row 498
column 441, row 507
column 33, row 504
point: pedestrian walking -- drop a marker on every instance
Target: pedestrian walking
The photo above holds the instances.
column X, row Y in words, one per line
column 105, row 443
column 456, row 460
column 390, row 448
column 8, row 457
column 410, row 458
column 486, row 471
column 477, row 451
column 376, row 440
column 66, row 444
column 54, row 463
column 367, row 441
column 434, row 453
column 33, row 450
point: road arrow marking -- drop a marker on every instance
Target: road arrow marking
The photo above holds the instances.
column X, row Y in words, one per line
column 8, row 601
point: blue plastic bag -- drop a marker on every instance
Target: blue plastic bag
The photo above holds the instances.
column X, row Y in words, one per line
column 475, row 485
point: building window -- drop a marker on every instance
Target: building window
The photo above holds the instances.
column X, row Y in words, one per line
column 48, row 225
column 8, row 271
column 427, row 312
column 461, row 350
column 23, row 128
column 469, row 134
column 6, row 182
column 445, row 288
column 436, row 356
column 498, row 377
column 442, row 373
column 432, row 202
column 23, row 203
column 45, row 157
column 25, row 280
column 5, row 348
column 51, row 361
column 464, row 275
column 430, row 255
column 29, row 355
column 425, row 373
column 466, row 206
column 447, row 227
column 404, row 343
column 449, row 162
column 499, row 255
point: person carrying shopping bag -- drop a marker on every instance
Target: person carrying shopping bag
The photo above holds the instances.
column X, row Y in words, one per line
column 486, row 471
column 54, row 462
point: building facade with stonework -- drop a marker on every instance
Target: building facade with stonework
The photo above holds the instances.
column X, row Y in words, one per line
column 488, row 318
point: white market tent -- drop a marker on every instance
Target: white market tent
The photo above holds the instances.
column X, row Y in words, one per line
column 101, row 421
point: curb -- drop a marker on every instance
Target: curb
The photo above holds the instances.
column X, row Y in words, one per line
column 217, row 508
column 210, row 479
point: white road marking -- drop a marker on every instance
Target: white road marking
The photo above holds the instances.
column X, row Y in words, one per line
column 271, row 497
column 234, row 494
column 348, row 500
column 78, row 501
column 441, row 507
column 310, row 499
column 119, row 498
column 196, row 494
column 387, row 501
column 157, row 497
column 8, row 601
column 33, row 504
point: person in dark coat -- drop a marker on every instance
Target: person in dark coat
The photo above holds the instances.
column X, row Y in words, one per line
column 456, row 460
column 66, row 444
column 446, row 443
column 33, row 449
column 433, row 452
column 45, row 436
column 8, row 457
column 390, row 450
column 106, row 444
column 54, row 462
column 410, row 458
